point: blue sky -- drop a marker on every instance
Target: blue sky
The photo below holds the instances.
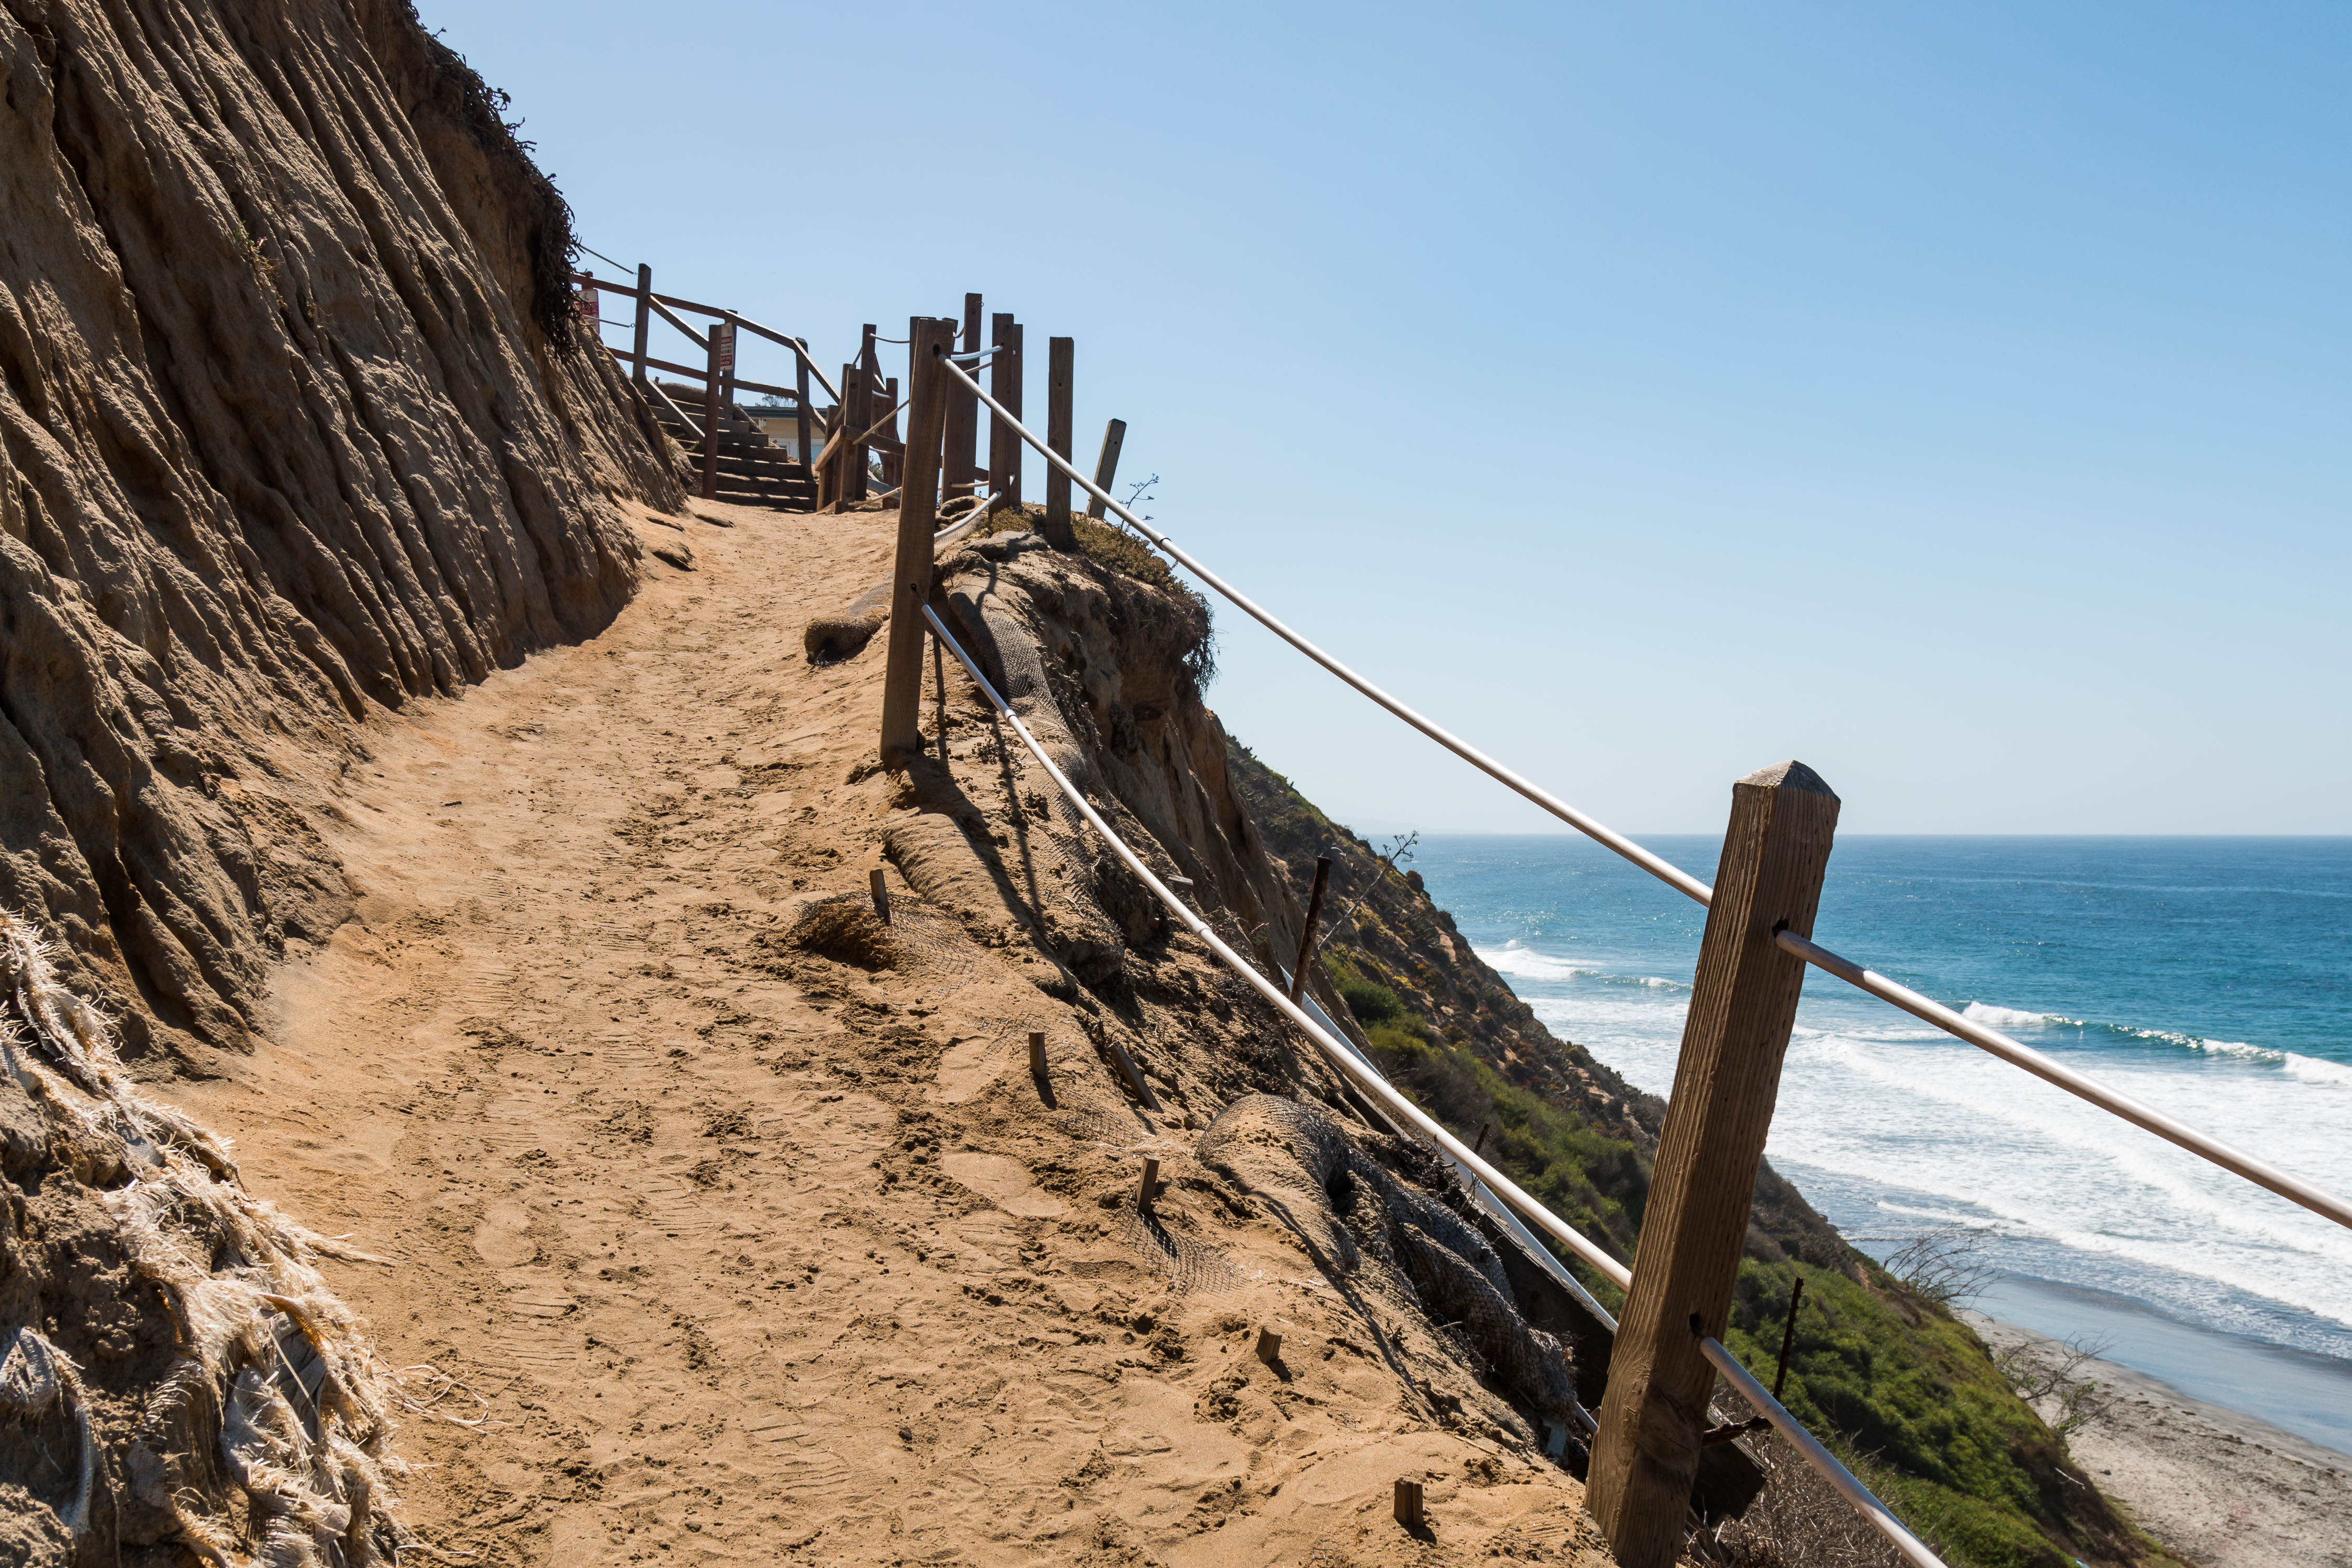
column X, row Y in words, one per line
column 1954, row 397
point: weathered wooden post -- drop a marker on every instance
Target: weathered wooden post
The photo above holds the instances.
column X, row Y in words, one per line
column 1314, row 917
column 892, row 470
column 727, row 358
column 715, row 346
column 1130, row 1071
column 1004, row 385
column 1742, row 1005
column 645, row 322
column 855, row 487
column 1061, row 355
column 881, row 887
column 800, row 415
column 963, row 413
column 1106, row 465
column 837, row 467
column 902, row 675
column 1143, row 1189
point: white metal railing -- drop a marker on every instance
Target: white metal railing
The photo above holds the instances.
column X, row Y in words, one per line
column 1342, row 1055
column 2261, row 1173
column 1821, row 1459
column 2229, row 1158
column 1333, row 1048
column 2233, row 1160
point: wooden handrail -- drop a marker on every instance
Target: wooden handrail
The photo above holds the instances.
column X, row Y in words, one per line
column 655, row 387
column 688, row 370
column 667, row 314
column 589, row 280
column 586, row 280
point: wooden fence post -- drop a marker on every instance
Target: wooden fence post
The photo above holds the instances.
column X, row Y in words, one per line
column 902, row 675
column 645, row 322
column 1106, row 465
column 1313, row 918
column 1743, row 1001
column 801, row 364
column 1061, row 354
column 711, row 373
column 963, row 412
column 843, row 429
column 862, row 400
column 1004, row 385
column 727, row 392
column 893, row 467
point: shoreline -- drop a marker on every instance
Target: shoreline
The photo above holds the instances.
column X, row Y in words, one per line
column 2221, row 1486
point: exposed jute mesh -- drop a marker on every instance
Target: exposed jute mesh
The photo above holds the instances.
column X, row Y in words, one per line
column 1361, row 1223
column 933, row 944
column 1186, row 1265
column 1086, row 1105
column 274, row 1395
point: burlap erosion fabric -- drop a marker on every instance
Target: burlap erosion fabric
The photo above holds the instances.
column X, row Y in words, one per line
column 172, row 1367
column 1361, row 1223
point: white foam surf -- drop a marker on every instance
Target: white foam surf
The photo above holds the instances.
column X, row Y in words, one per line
column 1888, row 1103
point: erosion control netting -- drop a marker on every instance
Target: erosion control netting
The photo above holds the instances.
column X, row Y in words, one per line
column 1186, row 1265
column 261, row 1433
column 934, row 944
column 1080, row 1102
column 1359, row 1222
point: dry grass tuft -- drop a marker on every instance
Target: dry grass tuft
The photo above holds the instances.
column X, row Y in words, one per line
column 847, row 928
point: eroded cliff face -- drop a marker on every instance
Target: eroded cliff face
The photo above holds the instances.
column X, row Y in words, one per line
column 290, row 429
column 1101, row 668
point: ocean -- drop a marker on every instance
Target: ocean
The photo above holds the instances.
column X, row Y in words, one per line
column 2208, row 977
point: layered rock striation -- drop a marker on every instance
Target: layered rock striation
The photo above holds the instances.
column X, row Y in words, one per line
column 293, row 427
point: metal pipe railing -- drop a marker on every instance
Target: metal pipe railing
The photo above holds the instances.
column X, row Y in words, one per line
column 1340, row 1054
column 2318, row 1201
column 1665, row 872
column 1334, row 1049
column 1865, row 1502
column 2260, row 1171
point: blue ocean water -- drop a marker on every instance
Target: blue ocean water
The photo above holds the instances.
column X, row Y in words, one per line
column 2210, row 978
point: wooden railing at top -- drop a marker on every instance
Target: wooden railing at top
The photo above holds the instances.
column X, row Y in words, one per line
column 719, row 382
column 866, row 404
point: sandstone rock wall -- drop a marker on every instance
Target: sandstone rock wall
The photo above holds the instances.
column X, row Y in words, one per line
column 291, row 427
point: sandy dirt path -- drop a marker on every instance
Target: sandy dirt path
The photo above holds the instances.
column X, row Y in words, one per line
column 734, row 1281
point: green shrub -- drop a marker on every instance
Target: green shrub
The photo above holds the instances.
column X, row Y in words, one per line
column 1371, row 1002
column 1920, row 1394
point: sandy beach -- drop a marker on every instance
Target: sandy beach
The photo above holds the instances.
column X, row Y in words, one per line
column 2219, row 1487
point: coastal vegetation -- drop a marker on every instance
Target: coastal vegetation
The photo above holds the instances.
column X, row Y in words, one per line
column 1881, row 1369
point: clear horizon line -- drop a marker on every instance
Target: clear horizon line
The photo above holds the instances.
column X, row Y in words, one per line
column 1387, row 825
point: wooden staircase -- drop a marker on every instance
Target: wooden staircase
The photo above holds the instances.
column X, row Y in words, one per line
column 752, row 471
